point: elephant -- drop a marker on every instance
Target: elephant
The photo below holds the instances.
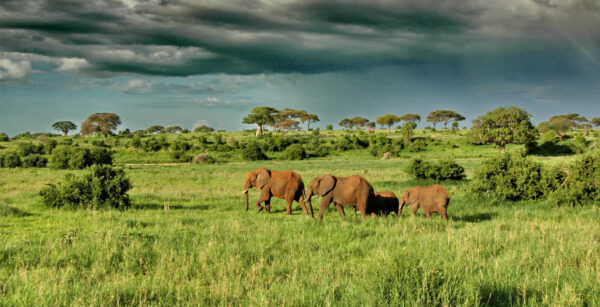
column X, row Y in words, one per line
column 286, row 185
column 383, row 203
column 343, row 191
column 432, row 198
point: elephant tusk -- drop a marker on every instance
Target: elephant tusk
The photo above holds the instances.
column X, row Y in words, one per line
column 245, row 191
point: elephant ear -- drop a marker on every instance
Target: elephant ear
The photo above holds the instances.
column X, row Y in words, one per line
column 263, row 177
column 326, row 184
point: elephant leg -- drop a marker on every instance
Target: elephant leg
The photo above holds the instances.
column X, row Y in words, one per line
column 289, row 206
column 414, row 208
column 268, row 205
column 265, row 197
column 362, row 206
column 443, row 214
column 324, row 204
column 340, row 210
column 301, row 201
column 428, row 214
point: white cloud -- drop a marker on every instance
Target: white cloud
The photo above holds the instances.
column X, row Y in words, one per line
column 73, row 65
column 14, row 70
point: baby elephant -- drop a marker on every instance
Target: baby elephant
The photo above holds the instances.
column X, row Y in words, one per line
column 383, row 203
column 431, row 198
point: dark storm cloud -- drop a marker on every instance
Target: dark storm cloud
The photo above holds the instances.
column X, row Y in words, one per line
column 182, row 38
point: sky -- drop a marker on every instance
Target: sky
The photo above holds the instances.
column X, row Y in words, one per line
column 188, row 63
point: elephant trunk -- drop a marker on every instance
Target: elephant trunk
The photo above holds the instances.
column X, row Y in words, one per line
column 309, row 194
column 245, row 192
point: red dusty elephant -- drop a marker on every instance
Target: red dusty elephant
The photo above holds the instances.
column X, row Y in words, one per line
column 286, row 185
column 343, row 191
column 432, row 198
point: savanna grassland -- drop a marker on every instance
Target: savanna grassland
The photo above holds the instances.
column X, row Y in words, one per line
column 187, row 240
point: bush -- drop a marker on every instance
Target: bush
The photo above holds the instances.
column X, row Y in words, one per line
column 11, row 160
column 294, row 152
column 35, row 161
column 204, row 158
column 329, row 127
column 581, row 185
column 4, row 137
column 49, row 146
column 181, row 156
column 253, row 152
column 67, row 157
column 417, row 145
column 102, row 187
column 443, row 170
column 26, row 149
column 511, row 177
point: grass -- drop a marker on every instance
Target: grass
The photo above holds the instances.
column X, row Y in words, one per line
column 207, row 250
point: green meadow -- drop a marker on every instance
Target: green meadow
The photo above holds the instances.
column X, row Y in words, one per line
column 187, row 240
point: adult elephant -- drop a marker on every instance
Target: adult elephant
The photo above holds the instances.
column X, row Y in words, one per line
column 286, row 185
column 343, row 191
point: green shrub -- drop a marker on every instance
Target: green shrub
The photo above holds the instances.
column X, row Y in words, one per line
column 35, row 161
column 582, row 184
column 67, row 157
column 329, row 127
column 443, row 170
column 181, row 156
column 136, row 142
column 49, row 146
column 11, row 160
column 253, row 152
column 417, row 145
column 102, row 187
column 4, row 137
column 510, row 177
column 26, row 149
column 294, row 152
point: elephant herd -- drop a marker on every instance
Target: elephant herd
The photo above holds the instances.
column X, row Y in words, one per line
column 353, row 191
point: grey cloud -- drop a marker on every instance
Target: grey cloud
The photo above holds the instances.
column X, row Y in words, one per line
column 183, row 38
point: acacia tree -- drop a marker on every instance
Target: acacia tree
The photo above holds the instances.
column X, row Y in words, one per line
column 64, row 127
column 444, row 116
column 309, row 118
column 371, row 124
column 575, row 120
column 558, row 125
column 504, row 125
column 155, row 129
column 173, row 129
column 103, row 123
column 387, row 120
column 595, row 121
column 359, row 122
column 261, row 116
column 409, row 117
column 346, row 123
column 287, row 124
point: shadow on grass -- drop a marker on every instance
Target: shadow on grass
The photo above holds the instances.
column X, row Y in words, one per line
column 16, row 212
column 171, row 207
column 507, row 296
column 475, row 218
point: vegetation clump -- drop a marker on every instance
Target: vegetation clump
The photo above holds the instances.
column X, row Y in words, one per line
column 253, row 152
column 205, row 158
column 102, row 187
column 581, row 185
column 294, row 152
column 446, row 169
column 70, row 157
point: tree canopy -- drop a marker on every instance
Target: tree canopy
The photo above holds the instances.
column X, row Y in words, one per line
column 558, row 125
column 595, row 121
column 409, row 117
column 64, row 127
column 173, row 129
column 444, row 116
column 359, row 122
column 504, row 125
column 155, row 129
column 261, row 116
column 346, row 123
column 103, row 123
column 309, row 118
column 574, row 119
column 387, row 120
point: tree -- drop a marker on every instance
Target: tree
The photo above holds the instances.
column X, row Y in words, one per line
column 173, row 129
column 261, row 116
column 595, row 121
column 346, row 123
column 103, row 123
column 287, row 124
column 575, row 120
column 387, row 120
column 409, row 117
column 309, row 118
column 454, row 126
column 504, row 125
column 64, row 126
column 559, row 125
column 371, row 124
column 359, row 122
column 204, row 128
column 155, row 129
column 444, row 116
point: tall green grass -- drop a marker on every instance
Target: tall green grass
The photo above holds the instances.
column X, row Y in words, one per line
column 207, row 250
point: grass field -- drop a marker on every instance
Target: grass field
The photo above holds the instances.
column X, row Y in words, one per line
column 207, row 250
